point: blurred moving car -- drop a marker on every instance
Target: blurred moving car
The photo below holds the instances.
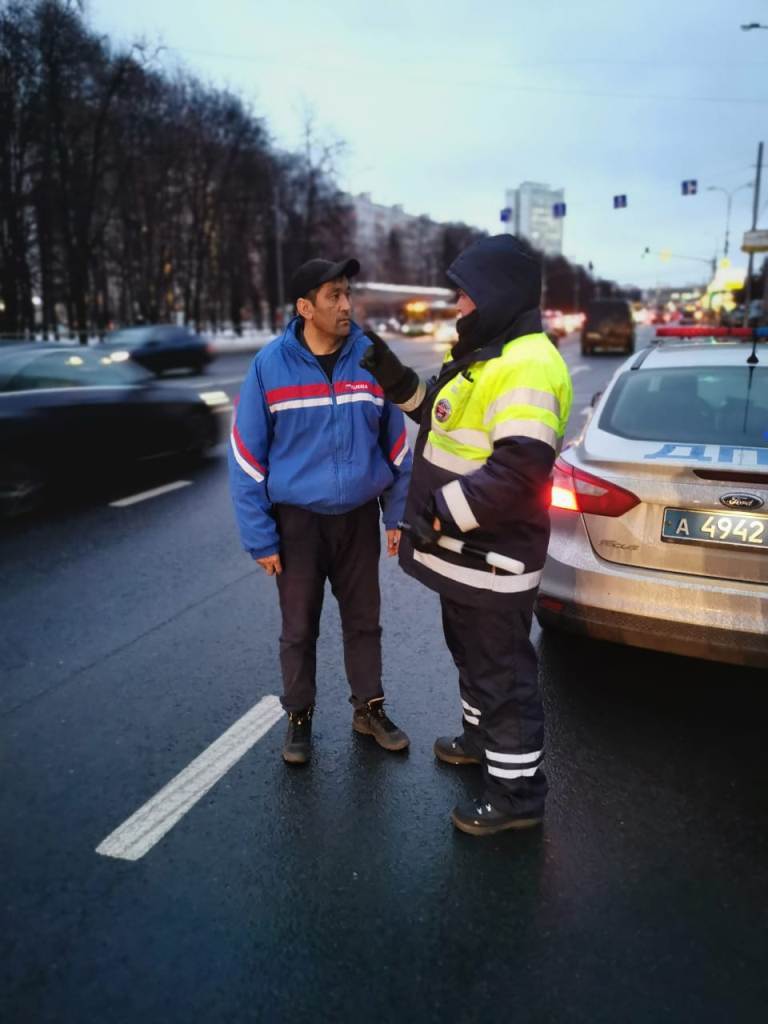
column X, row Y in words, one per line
column 73, row 413
column 554, row 324
column 160, row 347
column 608, row 325
column 660, row 508
column 735, row 316
column 445, row 332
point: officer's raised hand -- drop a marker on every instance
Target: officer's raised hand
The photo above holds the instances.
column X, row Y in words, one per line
column 399, row 382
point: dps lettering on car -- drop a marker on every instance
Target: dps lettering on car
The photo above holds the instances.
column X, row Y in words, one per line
column 723, row 453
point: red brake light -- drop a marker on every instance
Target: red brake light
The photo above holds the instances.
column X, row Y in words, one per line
column 577, row 491
column 704, row 332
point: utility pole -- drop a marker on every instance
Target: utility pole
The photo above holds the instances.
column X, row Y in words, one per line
column 755, row 210
column 729, row 194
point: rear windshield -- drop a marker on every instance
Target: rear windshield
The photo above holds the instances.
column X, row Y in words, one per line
column 712, row 405
column 608, row 310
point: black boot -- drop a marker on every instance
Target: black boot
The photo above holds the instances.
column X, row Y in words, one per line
column 453, row 751
column 298, row 739
column 481, row 818
column 371, row 720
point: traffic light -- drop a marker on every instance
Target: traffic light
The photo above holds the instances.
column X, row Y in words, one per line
column 690, row 187
column 619, row 202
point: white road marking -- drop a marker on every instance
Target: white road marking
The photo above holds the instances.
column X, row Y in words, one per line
column 149, row 824
column 145, row 495
column 578, row 369
column 585, row 410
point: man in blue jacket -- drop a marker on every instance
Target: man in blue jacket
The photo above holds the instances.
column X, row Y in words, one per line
column 315, row 448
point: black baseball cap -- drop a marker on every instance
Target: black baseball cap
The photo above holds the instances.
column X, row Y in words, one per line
column 313, row 273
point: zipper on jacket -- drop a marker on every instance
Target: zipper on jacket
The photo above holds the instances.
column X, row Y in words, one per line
column 336, row 438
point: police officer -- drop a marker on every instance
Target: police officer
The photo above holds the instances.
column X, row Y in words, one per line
column 490, row 426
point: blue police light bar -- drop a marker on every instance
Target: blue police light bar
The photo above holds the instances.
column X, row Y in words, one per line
column 619, row 202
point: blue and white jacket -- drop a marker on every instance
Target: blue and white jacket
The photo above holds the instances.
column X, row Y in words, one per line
column 299, row 439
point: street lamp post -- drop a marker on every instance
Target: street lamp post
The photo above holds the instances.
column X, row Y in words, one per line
column 729, row 194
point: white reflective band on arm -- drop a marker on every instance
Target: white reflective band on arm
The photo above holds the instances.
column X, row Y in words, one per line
column 476, row 577
column 398, row 459
column 453, row 463
column 523, row 396
column 468, row 707
column 245, row 466
column 510, row 773
column 458, row 506
column 514, row 758
column 416, row 398
column 471, row 719
column 525, row 428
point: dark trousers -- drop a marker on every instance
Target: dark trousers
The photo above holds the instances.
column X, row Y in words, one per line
column 343, row 549
column 501, row 702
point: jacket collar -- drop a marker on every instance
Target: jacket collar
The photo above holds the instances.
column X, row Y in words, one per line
column 289, row 338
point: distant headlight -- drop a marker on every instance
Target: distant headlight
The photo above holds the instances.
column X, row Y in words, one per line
column 119, row 357
column 215, row 398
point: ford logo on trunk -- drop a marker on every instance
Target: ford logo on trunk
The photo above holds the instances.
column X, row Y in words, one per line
column 745, row 501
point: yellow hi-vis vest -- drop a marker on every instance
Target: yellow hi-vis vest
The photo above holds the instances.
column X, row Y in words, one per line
column 524, row 392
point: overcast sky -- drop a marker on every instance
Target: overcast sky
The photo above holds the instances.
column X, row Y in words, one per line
column 444, row 104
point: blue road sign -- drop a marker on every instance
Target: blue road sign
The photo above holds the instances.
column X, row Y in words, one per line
column 506, row 215
column 558, row 210
column 619, row 202
column 690, row 187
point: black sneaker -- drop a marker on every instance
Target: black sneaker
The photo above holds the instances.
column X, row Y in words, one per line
column 298, row 739
column 480, row 818
column 371, row 720
column 453, row 751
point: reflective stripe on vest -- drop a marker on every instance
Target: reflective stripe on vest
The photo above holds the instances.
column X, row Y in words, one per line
column 525, row 428
column 447, row 460
column 477, row 577
column 523, row 396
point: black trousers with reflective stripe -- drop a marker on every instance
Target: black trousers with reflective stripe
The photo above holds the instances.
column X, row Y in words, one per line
column 501, row 700
column 345, row 550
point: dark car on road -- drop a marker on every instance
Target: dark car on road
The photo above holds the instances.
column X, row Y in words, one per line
column 161, row 347
column 71, row 413
column 609, row 326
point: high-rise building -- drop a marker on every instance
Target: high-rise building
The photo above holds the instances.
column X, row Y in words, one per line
column 531, row 216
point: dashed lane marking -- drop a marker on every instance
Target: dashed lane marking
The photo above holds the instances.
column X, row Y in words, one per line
column 146, row 495
column 578, row 369
column 145, row 828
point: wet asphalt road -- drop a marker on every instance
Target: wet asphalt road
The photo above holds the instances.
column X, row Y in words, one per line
column 133, row 638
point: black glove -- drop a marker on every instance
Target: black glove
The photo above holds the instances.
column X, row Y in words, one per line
column 423, row 535
column 399, row 382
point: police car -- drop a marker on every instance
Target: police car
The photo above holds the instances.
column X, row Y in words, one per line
column 660, row 507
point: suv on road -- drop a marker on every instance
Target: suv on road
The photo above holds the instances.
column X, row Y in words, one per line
column 608, row 325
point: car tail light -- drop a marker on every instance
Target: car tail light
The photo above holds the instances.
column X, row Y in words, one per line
column 577, row 491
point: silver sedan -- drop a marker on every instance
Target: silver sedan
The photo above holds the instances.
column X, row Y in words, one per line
column 660, row 507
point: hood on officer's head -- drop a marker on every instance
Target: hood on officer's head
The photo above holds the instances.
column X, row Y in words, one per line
column 502, row 276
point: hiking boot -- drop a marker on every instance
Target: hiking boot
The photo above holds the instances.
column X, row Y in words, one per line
column 298, row 739
column 371, row 720
column 453, row 751
column 481, row 818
